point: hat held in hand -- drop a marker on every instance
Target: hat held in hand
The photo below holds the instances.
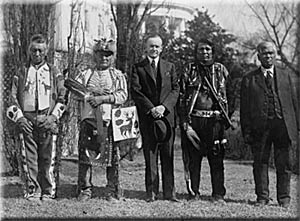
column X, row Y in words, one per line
column 161, row 130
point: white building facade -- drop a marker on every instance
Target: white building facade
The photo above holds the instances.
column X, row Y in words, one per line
column 94, row 20
column 90, row 20
column 172, row 16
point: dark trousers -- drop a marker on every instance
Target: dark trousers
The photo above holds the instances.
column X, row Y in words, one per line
column 89, row 149
column 208, row 130
column 276, row 134
column 166, row 152
column 39, row 169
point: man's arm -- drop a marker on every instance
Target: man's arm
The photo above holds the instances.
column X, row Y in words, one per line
column 182, row 107
column 222, row 92
column 171, row 99
column 14, row 111
column 140, row 99
column 60, row 106
column 245, row 110
column 295, row 99
column 120, row 94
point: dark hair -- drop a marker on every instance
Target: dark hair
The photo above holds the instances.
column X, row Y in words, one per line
column 204, row 41
column 38, row 38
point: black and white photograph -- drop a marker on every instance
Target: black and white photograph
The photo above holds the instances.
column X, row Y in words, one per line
column 149, row 109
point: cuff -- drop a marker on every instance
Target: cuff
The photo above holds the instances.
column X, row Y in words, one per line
column 185, row 126
column 111, row 99
column 14, row 113
column 58, row 110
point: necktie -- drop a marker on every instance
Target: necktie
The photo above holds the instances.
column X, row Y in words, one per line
column 269, row 79
column 153, row 67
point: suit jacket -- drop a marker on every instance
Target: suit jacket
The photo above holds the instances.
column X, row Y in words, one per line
column 145, row 94
column 254, row 108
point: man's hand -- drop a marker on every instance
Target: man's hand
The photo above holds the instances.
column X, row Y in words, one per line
column 99, row 91
column 193, row 137
column 25, row 125
column 217, row 115
column 248, row 139
column 94, row 101
column 158, row 111
column 49, row 123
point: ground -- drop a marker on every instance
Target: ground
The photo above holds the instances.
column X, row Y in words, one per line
column 239, row 197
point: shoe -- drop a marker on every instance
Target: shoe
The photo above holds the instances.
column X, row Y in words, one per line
column 284, row 205
column 110, row 198
column 218, row 199
column 33, row 196
column 195, row 197
column 113, row 197
column 261, row 203
column 150, row 199
column 84, row 196
column 47, row 197
column 173, row 199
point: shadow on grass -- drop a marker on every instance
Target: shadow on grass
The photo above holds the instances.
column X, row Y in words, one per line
column 66, row 191
column 242, row 201
column 69, row 191
column 134, row 194
column 12, row 190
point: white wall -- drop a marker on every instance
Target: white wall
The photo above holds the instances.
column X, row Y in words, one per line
column 95, row 22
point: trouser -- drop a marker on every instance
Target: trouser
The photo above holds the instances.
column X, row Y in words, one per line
column 276, row 134
column 151, row 151
column 39, row 168
column 186, row 160
column 88, row 150
column 209, row 130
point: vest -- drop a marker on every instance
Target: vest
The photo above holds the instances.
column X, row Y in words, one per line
column 274, row 107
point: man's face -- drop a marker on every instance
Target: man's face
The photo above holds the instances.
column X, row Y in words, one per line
column 153, row 47
column 103, row 59
column 38, row 52
column 204, row 53
column 267, row 56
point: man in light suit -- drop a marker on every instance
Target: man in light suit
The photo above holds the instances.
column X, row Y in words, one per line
column 269, row 115
column 155, row 90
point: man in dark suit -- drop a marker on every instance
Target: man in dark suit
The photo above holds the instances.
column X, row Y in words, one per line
column 269, row 115
column 155, row 90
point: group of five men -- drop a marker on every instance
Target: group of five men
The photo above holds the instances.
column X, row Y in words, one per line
column 198, row 97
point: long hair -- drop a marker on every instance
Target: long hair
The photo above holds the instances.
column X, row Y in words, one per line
column 204, row 41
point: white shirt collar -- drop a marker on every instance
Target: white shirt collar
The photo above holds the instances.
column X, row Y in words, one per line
column 38, row 67
column 265, row 70
column 155, row 60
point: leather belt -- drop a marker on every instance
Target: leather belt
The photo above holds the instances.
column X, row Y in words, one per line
column 203, row 113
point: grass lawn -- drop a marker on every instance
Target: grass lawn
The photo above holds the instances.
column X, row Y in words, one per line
column 239, row 197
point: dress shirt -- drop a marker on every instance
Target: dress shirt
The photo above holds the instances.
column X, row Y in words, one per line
column 155, row 60
column 270, row 70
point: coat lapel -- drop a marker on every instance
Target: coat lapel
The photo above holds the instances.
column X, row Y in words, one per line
column 280, row 81
column 260, row 80
column 162, row 71
column 148, row 69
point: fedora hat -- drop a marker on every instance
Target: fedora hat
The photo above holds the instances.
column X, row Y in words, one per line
column 161, row 129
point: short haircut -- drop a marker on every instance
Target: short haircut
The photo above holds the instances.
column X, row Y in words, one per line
column 265, row 44
column 38, row 38
column 153, row 35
